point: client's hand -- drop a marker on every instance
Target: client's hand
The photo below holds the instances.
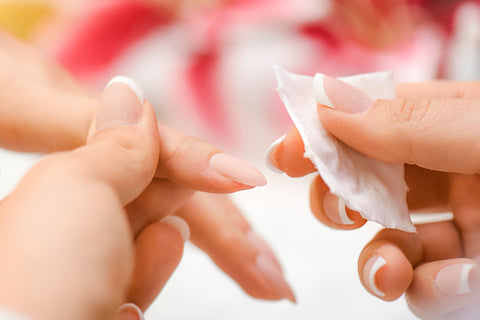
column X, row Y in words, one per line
column 66, row 242
column 434, row 129
column 43, row 110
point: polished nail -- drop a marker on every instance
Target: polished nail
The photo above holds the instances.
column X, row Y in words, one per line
column 129, row 311
column 237, row 170
column 262, row 246
column 270, row 160
column 274, row 275
column 370, row 271
column 454, row 279
column 179, row 224
column 337, row 94
column 121, row 104
column 336, row 209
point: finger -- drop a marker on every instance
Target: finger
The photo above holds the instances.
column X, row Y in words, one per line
column 386, row 264
column 428, row 191
column 219, row 229
column 54, row 115
column 196, row 164
column 125, row 131
column 158, row 250
column 287, row 155
column 442, row 287
column 411, row 131
column 465, row 200
column 330, row 210
column 160, row 199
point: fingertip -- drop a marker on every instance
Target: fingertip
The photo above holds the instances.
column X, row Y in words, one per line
column 271, row 156
column 385, row 271
column 331, row 210
column 178, row 224
column 237, row 170
column 129, row 82
column 288, row 156
column 129, row 311
column 444, row 287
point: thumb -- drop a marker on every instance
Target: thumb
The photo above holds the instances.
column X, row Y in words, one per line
column 122, row 147
column 438, row 134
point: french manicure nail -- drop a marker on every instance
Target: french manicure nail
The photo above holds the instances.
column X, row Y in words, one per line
column 179, row 224
column 370, row 271
column 129, row 311
column 237, row 170
column 274, row 275
column 336, row 209
column 270, row 161
column 454, row 279
column 340, row 95
column 121, row 105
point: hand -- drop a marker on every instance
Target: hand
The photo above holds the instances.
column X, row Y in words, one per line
column 65, row 237
column 43, row 110
column 433, row 128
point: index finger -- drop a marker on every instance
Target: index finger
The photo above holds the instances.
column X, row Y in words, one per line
column 286, row 154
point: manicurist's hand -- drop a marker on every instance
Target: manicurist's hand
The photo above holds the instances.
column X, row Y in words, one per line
column 433, row 128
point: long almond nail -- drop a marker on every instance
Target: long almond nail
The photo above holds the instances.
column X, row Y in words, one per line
column 370, row 271
column 340, row 95
column 179, row 224
column 237, row 170
column 454, row 279
column 270, row 160
column 129, row 311
column 274, row 276
column 121, row 105
column 336, row 209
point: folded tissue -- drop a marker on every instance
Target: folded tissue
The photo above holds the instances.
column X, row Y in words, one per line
column 376, row 189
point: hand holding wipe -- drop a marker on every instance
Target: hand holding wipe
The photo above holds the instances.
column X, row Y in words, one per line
column 376, row 189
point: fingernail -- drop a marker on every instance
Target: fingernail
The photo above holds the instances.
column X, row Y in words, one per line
column 129, row 311
column 270, row 160
column 122, row 102
column 179, row 224
column 237, row 170
column 454, row 279
column 370, row 271
column 274, row 275
column 336, row 209
column 262, row 246
column 334, row 93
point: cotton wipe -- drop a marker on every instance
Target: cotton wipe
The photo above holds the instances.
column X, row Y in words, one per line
column 377, row 190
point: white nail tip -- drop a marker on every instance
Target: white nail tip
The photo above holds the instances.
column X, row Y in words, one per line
column 132, row 84
column 269, row 152
column 319, row 91
column 135, row 307
column 342, row 211
column 464, row 286
column 179, row 224
column 376, row 263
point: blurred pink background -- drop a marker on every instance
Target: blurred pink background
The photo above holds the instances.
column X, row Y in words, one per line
column 206, row 66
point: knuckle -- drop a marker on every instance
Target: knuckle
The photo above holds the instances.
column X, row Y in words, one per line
column 408, row 118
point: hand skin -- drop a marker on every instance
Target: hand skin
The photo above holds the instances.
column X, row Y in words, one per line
column 44, row 110
column 433, row 129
